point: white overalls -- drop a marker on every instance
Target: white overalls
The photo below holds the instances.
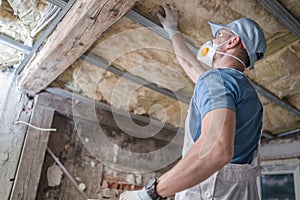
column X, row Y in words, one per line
column 232, row 182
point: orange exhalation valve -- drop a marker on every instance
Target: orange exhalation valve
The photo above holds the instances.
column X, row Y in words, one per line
column 204, row 52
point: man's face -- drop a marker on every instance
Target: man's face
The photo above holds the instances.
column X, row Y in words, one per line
column 222, row 35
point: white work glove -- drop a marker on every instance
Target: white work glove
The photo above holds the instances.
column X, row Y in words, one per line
column 170, row 21
column 135, row 195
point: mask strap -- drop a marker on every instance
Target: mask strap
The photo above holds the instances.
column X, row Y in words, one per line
column 227, row 54
column 218, row 45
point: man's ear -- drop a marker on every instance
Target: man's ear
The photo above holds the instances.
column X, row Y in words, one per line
column 234, row 41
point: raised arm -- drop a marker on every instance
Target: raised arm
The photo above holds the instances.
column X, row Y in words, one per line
column 185, row 57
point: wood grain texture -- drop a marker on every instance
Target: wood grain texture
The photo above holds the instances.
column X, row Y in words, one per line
column 33, row 153
column 101, row 114
column 79, row 29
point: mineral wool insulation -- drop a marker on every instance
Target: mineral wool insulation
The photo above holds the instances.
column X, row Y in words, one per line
column 150, row 57
column 132, row 48
column 17, row 19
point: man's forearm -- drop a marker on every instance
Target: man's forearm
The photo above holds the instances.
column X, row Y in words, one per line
column 190, row 171
column 186, row 58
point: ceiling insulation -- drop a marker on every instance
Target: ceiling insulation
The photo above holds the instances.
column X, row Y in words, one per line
column 30, row 12
column 121, row 93
column 276, row 119
column 293, row 7
column 280, row 72
column 10, row 25
column 135, row 49
column 124, row 45
column 194, row 16
column 17, row 19
column 9, row 57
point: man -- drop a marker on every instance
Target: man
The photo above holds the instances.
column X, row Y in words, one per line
column 224, row 123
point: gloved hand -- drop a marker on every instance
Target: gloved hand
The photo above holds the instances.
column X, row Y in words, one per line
column 135, row 195
column 170, row 21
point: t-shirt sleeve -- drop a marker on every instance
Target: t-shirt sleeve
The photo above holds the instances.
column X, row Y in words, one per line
column 213, row 91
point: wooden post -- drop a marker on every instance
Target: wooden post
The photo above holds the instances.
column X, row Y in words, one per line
column 33, row 153
column 80, row 28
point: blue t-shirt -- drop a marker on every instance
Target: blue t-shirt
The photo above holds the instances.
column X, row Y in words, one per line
column 229, row 88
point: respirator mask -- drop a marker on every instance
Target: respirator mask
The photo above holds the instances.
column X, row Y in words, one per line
column 209, row 49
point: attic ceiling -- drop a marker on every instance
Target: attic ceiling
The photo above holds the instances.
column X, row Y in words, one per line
column 133, row 68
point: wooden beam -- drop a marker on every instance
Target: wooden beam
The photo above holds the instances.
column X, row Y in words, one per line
column 280, row 149
column 103, row 114
column 99, row 132
column 79, row 29
column 44, row 35
column 33, row 153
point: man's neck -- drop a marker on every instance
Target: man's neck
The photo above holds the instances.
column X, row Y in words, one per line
column 231, row 64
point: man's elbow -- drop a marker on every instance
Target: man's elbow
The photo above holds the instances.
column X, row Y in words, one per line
column 227, row 157
column 223, row 157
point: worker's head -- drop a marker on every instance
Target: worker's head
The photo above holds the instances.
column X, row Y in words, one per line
column 250, row 34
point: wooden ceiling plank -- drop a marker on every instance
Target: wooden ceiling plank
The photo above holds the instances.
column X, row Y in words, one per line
column 82, row 108
column 44, row 35
column 65, row 110
column 33, row 153
column 79, row 29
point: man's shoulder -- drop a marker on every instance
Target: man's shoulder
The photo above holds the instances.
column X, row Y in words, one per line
column 225, row 78
column 214, row 75
column 209, row 74
column 226, row 73
column 213, row 78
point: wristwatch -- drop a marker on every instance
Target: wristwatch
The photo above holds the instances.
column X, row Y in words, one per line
column 151, row 189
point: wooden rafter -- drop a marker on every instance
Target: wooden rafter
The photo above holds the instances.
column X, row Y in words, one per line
column 79, row 29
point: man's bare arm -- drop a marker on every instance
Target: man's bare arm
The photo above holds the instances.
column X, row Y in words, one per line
column 185, row 57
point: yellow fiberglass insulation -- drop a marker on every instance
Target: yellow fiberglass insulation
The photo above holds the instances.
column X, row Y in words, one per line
column 123, row 94
column 17, row 19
